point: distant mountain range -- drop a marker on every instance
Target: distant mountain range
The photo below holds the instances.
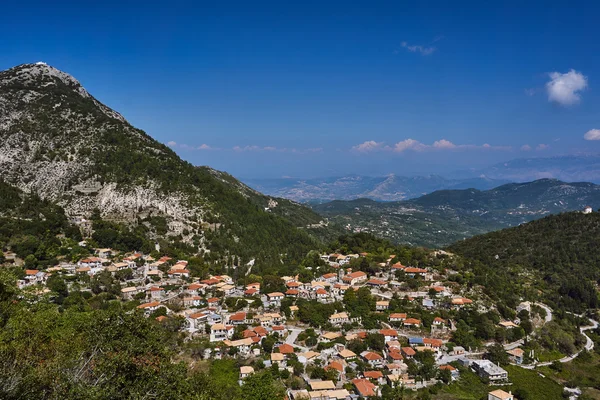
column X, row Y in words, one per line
column 570, row 168
column 392, row 187
column 382, row 188
column 446, row 216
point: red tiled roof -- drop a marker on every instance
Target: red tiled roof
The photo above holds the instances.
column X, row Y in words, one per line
column 373, row 374
column 286, row 349
column 364, row 387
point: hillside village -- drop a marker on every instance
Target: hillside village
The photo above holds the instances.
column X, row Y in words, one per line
column 333, row 332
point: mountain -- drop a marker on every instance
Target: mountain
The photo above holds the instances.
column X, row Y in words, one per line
column 57, row 141
column 445, row 216
column 570, row 168
column 384, row 188
column 558, row 254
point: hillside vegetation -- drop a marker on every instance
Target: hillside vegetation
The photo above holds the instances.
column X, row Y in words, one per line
column 560, row 251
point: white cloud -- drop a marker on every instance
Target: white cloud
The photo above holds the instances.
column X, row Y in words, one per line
column 542, row 146
column 592, row 134
column 526, row 147
column 424, row 50
column 409, row 144
column 565, row 89
column 369, row 145
column 446, row 144
column 204, row 146
column 171, row 144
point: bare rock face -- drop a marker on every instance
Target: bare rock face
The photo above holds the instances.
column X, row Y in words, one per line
column 56, row 140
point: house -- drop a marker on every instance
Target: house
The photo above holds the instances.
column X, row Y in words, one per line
column 507, row 324
column 408, row 352
column 376, row 376
column 413, row 272
column 322, row 385
column 376, row 283
column 331, row 277
column 237, row 318
column 339, row 289
column 321, row 294
column 339, row 318
column 246, row 371
column 397, row 317
column 330, row 336
column 192, row 301
column 150, row 307
column 500, row 395
column 412, row 322
column 278, row 359
column 365, row 388
column 339, row 367
column 286, row 349
column 197, row 320
column 382, row 305
column 218, row 333
column 375, row 360
column 355, row 278
column 587, row 210
column 438, row 322
column 458, row 351
column 401, row 380
column 347, row 354
column 129, row 292
column 90, row 262
column 255, row 286
column 489, row 370
column 516, row 355
column 178, row 273
column 453, row 371
column 461, row 301
column 292, row 293
column 275, row 298
column 294, row 310
column 156, row 293
column 242, row 345
column 105, row 253
column 434, row 344
column 389, row 334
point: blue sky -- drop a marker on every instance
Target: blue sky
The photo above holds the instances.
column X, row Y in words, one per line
column 325, row 88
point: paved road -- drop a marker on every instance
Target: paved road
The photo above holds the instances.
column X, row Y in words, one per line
column 293, row 336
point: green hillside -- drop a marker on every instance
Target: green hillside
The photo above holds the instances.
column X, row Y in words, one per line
column 558, row 255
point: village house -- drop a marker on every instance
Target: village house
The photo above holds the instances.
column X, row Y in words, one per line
column 275, row 299
column 238, row 318
column 373, row 359
column 150, row 307
column 365, row 388
column 412, row 322
column 500, row 395
column 156, row 293
column 246, row 371
column 489, row 370
column 516, row 355
column 197, row 320
column 355, row 278
column 219, row 333
column 397, row 317
column 193, row 301
column 331, row 277
column 129, row 292
column 382, row 305
column 389, row 334
column 376, row 376
column 339, row 318
column 242, row 345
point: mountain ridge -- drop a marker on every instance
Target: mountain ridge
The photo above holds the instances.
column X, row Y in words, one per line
column 58, row 141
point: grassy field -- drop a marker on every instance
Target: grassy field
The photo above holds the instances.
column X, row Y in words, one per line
column 584, row 371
